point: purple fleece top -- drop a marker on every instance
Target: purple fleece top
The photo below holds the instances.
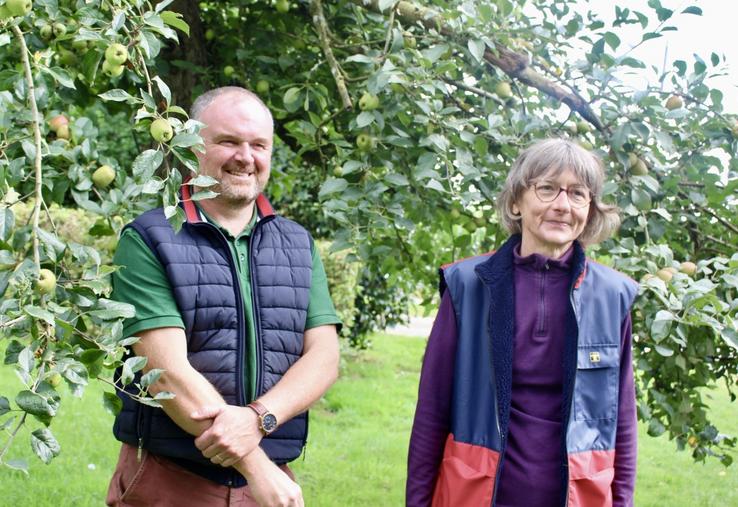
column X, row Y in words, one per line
column 531, row 471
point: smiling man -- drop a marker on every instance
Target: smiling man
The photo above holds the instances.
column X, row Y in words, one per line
column 235, row 309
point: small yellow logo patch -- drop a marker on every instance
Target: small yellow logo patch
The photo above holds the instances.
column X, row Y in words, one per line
column 594, row 357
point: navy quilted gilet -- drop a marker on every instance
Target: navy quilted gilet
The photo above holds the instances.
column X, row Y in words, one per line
column 205, row 284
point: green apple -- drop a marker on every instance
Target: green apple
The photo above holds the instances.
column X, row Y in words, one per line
column 209, row 34
column 57, row 121
column 116, row 54
column 674, row 102
column 689, row 268
column 46, row 282
column 81, row 45
column 734, row 130
column 582, row 127
column 54, row 379
column 63, row 132
column 364, row 142
column 19, row 7
column 282, row 6
column 228, row 70
column 103, row 176
column 639, row 168
column 368, row 102
column 161, row 130
column 59, row 29
column 262, row 86
column 665, row 275
column 503, row 90
column 112, row 70
column 632, row 159
column 46, row 32
column 67, row 58
column 410, row 41
column 4, row 13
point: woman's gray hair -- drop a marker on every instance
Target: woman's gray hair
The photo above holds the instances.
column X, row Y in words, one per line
column 552, row 157
column 203, row 101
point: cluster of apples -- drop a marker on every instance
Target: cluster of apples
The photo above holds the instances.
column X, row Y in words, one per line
column 60, row 126
column 116, row 55
column 666, row 274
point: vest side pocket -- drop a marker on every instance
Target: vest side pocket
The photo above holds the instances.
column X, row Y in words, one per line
column 590, row 478
column 466, row 477
column 596, row 384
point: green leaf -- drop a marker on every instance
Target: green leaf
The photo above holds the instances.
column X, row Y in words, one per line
column 476, row 48
column 185, row 140
column 112, row 403
column 4, row 406
column 175, row 20
column 7, row 221
column 150, row 377
column 108, row 309
column 398, row 180
column 135, row 363
column 693, row 9
column 203, row 181
column 61, row 77
column 163, row 89
column 39, row 313
column 45, row 445
column 34, row 404
column 331, row 186
column 661, row 325
column 152, row 186
column 203, row 194
column 364, row 119
column 118, row 95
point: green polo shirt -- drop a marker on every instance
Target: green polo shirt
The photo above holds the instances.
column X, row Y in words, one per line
column 142, row 282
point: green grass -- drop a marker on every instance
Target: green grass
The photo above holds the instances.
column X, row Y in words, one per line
column 357, row 448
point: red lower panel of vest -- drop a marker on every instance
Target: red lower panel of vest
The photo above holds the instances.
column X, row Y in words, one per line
column 467, row 475
column 590, row 478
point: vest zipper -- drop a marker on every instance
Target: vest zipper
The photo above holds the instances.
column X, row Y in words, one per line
column 565, row 425
column 257, row 314
column 541, row 327
column 503, row 437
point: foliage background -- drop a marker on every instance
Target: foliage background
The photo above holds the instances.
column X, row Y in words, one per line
column 397, row 189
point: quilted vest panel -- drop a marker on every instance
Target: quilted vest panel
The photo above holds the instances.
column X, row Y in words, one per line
column 205, row 285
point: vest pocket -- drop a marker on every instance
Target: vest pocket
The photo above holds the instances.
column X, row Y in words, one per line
column 596, row 383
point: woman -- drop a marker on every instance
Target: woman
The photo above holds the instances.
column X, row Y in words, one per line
column 526, row 394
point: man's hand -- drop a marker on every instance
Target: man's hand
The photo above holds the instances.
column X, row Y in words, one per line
column 233, row 434
column 270, row 485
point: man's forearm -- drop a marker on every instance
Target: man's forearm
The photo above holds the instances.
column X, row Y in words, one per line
column 309, row 378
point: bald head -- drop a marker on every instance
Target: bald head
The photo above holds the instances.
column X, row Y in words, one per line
column 206, row 99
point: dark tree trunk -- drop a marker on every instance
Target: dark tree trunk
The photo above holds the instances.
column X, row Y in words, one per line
column 183, row 80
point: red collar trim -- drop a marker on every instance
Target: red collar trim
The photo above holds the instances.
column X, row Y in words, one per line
column 263, row 206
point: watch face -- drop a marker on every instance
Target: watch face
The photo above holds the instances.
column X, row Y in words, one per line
column 269, row 423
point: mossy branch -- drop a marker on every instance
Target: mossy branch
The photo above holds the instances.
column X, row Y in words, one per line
column 321, row 27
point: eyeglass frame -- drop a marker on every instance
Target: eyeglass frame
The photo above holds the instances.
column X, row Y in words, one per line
column 535, row 184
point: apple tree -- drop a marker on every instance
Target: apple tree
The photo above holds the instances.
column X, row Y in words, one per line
column 396, row 125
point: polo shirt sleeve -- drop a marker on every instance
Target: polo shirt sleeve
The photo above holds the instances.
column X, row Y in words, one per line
column 141, row 281
column 320, row 310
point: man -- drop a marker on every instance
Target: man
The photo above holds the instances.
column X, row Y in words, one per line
column 235, row 309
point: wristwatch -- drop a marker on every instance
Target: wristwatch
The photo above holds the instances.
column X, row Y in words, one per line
column 267, row 420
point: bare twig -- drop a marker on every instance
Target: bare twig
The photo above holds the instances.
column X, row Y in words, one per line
column 321, row 27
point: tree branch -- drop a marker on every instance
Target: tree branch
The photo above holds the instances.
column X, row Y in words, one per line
column 321, row 27
column 35, row 123
column 511, row 63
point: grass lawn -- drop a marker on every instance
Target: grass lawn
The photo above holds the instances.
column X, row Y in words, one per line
column 356, row 452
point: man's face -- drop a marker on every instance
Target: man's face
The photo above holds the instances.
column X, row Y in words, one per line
column 238, row 147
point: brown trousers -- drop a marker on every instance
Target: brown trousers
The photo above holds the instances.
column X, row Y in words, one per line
column 154, row 481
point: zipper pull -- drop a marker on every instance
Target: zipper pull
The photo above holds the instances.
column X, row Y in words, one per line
column 140, row 449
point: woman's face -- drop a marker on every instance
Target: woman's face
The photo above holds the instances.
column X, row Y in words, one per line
column 549, row 228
